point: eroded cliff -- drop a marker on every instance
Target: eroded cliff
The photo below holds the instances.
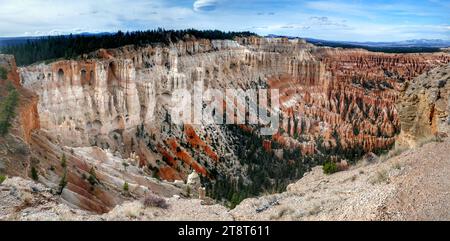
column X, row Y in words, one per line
column 424, row 106
column 14, row 144
column 110, row 110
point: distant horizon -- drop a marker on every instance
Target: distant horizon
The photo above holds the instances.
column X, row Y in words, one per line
column 265, row 36
column 337, row 20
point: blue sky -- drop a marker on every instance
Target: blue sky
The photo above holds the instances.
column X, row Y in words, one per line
column 355, row 20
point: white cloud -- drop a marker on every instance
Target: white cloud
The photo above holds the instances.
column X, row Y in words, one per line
column 50, row 17
column 326, row 19
column 205, row 5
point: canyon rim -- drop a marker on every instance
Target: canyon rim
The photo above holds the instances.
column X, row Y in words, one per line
column 238, row 125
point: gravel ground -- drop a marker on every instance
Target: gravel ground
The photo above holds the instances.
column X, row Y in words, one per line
column 424, row 192
column 414, row 185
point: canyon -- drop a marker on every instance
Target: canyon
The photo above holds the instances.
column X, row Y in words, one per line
column 108, row 114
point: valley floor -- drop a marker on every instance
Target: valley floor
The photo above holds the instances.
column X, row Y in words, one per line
column 414, row 185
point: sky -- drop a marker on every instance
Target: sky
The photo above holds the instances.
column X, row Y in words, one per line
column 354, row 20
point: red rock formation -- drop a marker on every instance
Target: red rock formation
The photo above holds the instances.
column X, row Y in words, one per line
column 353, row 98
column 324, row 92
column 195, row 141
column 28, row 117
column 185, row 157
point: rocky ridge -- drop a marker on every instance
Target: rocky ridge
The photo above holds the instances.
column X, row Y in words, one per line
column 424, row 106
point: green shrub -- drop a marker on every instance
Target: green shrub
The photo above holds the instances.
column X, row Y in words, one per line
column 3, row 73
column 92, row 179
column 330, row 168
column 125, row 186
column 125, row 165
column 235, row 200
column 188, row 191
column 34, row 173
column 397, row 166
column 380, row 177
column 151, row 200
column 2, row 178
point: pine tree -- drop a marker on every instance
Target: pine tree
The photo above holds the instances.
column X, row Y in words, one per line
column 62, row 183
column 63, row 161
column 234, row 200
column 34, row 173
column 3, row 73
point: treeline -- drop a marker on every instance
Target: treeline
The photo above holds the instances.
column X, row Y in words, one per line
column 7, row 109
column 70, row 46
